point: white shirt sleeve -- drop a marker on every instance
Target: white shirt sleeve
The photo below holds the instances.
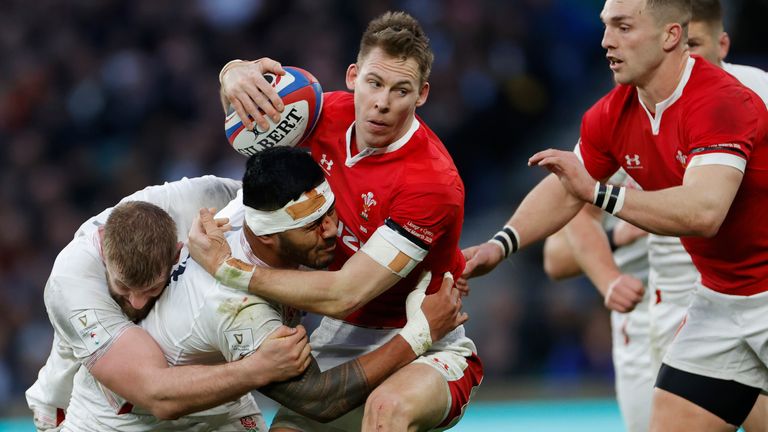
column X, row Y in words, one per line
column 183, row 198
column 79, row 306
column 237, row 323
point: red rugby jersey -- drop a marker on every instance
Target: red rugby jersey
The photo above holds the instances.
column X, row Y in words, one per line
column 412, row 185
column 710, row 119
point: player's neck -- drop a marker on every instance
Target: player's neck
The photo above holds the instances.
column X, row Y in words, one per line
column 664, row 80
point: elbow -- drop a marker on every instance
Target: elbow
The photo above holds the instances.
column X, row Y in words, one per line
column 706, row 224
column 321, row 417
column 342, row 308
column 554, row 271
column 160, row 406
column 165, row 412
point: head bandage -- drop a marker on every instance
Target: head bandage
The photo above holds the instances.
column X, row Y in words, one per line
column 297, row 213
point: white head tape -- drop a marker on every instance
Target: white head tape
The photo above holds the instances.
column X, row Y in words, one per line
column 309, row 207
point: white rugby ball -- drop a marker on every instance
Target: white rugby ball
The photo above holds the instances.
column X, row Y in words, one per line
column 303, row 100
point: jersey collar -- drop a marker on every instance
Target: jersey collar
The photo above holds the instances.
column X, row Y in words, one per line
column 248, row 252
column 666, row 103
column 368, row 151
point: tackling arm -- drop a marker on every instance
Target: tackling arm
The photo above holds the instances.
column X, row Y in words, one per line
column 330, row 394
column 331, row 293
column 135, row 368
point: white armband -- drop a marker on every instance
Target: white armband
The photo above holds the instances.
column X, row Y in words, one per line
column 393, row 251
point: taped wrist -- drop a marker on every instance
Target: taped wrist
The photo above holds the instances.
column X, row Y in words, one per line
column 609, row 197
column 227, row 67
column 507, row 239
column 235, row 273
column 416, row 331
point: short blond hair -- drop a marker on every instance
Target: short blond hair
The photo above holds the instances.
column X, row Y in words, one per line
column 140, row 242
column 399, row 35
column 671, row 11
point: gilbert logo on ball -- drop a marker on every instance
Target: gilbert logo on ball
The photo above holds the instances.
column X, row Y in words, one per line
column 303, row 100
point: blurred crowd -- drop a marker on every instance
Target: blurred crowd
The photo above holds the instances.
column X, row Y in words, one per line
column 100, row 99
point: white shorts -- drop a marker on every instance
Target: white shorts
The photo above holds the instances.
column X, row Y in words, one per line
column 335, row 342
column 724, row 337
column 632, row 365
column 667, row 311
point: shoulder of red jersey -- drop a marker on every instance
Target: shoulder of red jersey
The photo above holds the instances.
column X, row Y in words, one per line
column 722, row 115
column 336, row 99
column 707, row 80
column 429, row 166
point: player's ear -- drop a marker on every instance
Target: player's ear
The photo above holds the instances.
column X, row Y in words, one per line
column 423, row 93
column 673, row 36
column 179, row 245
column 268, row 239
column 724, row 44
column 351, row 76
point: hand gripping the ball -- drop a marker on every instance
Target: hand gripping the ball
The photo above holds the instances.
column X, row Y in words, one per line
column 247, row 90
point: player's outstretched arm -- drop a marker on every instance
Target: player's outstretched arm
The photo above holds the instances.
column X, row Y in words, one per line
column 135, row 368
column 696, row 208
column 331, row 293
column 330, row 394
column 546, row 209
column 244, row 88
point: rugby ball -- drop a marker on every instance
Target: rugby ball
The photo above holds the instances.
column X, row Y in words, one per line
column 303, row 100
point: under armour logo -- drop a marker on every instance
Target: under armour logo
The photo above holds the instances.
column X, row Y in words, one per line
column 634, row 160
column 326, row 163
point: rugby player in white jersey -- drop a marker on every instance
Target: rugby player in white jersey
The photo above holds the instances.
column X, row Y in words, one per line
column 94, row 328
column 622, row 283
column 672, row 277
column 290, row 222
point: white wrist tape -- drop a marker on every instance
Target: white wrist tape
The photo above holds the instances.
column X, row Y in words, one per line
column 609, row 197
column 227, row 67
column 235, row 273
column 416, row 331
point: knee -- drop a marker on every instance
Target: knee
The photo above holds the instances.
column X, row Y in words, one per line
column 387, row 405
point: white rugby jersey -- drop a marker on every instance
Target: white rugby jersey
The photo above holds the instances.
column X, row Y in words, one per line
column 671, row 267
column 632, row 258
column 84, row 317
column 195, row 321
column 753, row 78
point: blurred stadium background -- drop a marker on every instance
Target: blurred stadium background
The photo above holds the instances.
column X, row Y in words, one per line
column 100, row 99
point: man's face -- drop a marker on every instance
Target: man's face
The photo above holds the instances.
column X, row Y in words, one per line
column 387, row 92
column 312, row 245
column 704, row 40
column 633, row 41
column 136, row 302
